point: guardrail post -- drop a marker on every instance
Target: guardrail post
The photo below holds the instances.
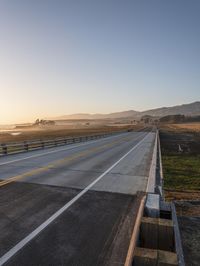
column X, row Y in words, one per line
column 4, row 149
column 25, row 146
column 42, row 144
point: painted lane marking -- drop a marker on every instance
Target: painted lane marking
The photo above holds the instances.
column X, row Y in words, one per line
column 33, row 234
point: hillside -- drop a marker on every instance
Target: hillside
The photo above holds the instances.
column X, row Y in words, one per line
column 192, row 109
column 130, row 113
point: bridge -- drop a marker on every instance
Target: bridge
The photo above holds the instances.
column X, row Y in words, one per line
column 87, row 201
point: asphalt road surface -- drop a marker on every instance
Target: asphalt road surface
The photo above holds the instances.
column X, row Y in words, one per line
column 73, row 205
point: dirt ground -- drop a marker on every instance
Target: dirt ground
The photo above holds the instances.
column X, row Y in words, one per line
column 188, row 208
column 172, row 195
column 175, row 141
column 188, row 213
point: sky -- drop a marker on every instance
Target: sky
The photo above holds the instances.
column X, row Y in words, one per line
column 60, row 57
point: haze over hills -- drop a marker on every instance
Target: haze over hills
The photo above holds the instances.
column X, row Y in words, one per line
column 190, row 109
column 123, row 114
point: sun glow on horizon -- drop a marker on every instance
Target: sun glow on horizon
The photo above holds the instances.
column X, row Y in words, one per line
column 62, row 58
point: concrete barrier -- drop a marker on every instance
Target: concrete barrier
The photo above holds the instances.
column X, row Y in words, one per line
column 152, row 173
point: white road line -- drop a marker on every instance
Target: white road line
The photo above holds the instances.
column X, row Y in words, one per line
column 54, row 151
column 32, row 235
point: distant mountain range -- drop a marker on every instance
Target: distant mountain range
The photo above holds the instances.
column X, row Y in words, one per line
column 191, row 109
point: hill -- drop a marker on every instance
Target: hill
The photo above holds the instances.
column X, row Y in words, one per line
column 191, row 109
column 124, row 114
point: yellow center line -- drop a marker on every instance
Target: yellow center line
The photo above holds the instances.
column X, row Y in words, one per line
column 60, row 162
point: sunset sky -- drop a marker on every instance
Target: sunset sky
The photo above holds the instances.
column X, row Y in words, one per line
column 96, row 56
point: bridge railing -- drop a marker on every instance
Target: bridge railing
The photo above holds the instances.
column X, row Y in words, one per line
column 25, row 146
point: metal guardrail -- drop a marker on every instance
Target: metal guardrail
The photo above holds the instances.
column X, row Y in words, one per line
column 25, row 146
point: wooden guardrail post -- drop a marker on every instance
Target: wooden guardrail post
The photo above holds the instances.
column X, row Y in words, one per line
column 4, row 149
column 26, row 146
column 42, row 144
column 135, row 234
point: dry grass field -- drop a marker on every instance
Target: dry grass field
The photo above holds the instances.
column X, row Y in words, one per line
column 59, row 131
column 182, row 195
column 185, row 127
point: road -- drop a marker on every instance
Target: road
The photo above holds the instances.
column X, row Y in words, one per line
column 73, row 205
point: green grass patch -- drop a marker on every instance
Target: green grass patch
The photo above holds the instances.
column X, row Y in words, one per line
column 181, row 172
